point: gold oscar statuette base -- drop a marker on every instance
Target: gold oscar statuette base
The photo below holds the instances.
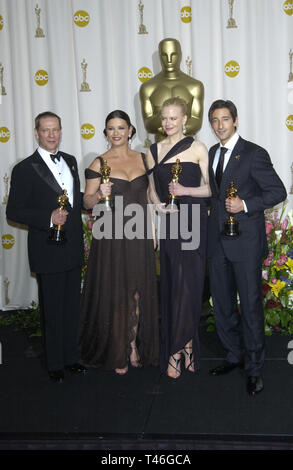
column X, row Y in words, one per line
column 39, row 33
column 108, row 203
column 57, row 235
column 231, row 228
column 173, row 202
column 142, row 29
column 85, row 87
column 231, row 23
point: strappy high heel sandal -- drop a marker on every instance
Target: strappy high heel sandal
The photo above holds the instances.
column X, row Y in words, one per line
column 190, row 357
column 176, row 367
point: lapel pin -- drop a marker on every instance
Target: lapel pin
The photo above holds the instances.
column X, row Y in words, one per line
column 237, row 157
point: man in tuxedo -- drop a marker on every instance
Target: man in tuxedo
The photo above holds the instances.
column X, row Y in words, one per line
column 36, row 184
column 235, row 263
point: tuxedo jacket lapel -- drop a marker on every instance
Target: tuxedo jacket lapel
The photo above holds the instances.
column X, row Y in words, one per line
column 213, row 182
column 74, row 173
column 232, row 166
column 44, row 172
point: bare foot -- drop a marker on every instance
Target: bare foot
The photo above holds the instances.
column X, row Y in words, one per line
column 122, row 371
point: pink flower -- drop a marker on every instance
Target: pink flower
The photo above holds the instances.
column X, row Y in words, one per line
column 265, row 275
column 282, row 260
column 269, row 227
column 284, row 224
column 90, row 224
column 274, row 280
column 267, row 261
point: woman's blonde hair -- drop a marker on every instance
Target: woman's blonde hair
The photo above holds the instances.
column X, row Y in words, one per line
column 176, row 101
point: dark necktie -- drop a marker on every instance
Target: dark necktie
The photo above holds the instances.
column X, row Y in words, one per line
column 55, row 157
column 219, row 170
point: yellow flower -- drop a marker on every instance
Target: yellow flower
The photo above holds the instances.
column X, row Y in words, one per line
column 279, row 268
column 277, row 287
column 289, row 263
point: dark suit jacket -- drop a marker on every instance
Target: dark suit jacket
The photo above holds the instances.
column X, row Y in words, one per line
column 258, row 184
column 33, row 196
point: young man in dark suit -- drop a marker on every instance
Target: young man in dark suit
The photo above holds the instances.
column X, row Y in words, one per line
column 235, row 262
column 36, row 184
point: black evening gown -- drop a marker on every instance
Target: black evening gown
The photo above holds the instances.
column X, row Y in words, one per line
column 182, row 271
column 120, row 290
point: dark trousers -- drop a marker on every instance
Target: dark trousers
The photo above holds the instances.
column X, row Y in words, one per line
column 242, row 334
column 59, row 296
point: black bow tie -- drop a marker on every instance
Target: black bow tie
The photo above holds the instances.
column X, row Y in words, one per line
column 55, row 157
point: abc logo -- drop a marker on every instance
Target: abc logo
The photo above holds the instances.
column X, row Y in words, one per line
column 41, row 77
column 87, row 131
column 289, row 122
column 144, row 74
column 288, row 7
column 7, row 241
column 4, row 134
column 81, row 18
column 232, row 68
column 1, row 22
column 186, row 14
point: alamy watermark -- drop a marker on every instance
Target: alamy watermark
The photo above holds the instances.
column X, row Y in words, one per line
column 183, row 225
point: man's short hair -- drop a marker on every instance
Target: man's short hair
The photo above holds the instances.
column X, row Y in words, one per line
column 219, row 104
column 45, row 115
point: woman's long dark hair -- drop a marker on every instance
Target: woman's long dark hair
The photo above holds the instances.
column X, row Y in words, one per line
column 121, row 115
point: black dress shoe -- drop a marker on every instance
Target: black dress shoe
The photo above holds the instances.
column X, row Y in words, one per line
column 225, row 368
column 56, row 375
column 76, row 368
column 254, row 385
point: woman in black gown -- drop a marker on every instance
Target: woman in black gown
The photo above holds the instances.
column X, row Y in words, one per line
column 182, row 270
column 119, row 320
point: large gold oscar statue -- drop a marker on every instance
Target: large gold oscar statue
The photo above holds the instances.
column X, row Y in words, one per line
column 170, row 82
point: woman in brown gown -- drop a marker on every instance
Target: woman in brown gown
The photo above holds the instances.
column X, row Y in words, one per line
column 119, row 301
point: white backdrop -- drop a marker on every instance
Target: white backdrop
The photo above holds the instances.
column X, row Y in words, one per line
column 45, row 73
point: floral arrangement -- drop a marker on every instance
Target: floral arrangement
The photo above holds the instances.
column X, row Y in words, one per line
column 277, row 273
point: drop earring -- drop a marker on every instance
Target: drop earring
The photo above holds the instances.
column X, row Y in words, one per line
column 184, row 129
column 129, row 141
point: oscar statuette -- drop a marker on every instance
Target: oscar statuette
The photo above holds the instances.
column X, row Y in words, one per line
column 173, row 201
column 6, row 180
column 231, row 225
column 106, row 200
column 57, row 232
column 39, row 32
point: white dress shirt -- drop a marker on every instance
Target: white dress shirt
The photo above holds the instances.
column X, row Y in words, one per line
column 230, row 146
column 61, row 172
